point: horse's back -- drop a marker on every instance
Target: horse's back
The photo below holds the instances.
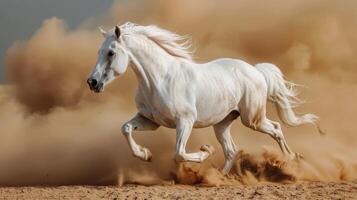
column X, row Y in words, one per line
column 239, row 69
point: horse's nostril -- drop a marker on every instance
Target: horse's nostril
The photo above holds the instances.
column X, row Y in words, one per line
column 94, row 83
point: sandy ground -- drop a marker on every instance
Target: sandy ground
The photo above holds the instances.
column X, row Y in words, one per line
column 304, row 190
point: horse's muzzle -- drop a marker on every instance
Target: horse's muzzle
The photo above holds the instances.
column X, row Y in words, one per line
column 95, row 85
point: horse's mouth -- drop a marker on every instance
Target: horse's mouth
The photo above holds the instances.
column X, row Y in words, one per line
column 97, row 89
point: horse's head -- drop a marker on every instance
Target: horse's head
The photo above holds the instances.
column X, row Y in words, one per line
column 113, row 60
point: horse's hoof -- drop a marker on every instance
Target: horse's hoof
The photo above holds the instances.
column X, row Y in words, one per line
column 178, row 158
column 207, row 148
column 147, row 154
column 295, row 157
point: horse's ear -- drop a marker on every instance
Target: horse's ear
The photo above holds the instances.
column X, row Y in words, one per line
column 104, row 33
column 117, row 32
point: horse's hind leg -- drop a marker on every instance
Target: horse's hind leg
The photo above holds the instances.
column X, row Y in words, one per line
column 138, row 123
column 274, row 130
column 253, row 116
column 280, row 136
column 223, row 134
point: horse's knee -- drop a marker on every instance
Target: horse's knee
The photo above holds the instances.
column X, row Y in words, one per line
column 126, row 129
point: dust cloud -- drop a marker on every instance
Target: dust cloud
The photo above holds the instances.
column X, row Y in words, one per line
column 55, row 131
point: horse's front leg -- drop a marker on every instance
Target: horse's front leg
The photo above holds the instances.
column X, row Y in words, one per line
column 138, row 123
column 183, row 132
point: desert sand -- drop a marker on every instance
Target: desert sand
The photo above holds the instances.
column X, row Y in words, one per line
column 303, row 190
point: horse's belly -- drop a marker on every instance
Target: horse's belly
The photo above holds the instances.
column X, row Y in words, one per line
column 171, row 123
column 164, row 121
column 214, row 108
column 212, row 119
column 200, row 122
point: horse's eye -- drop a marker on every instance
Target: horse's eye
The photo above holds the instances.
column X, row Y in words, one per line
column 110, row 53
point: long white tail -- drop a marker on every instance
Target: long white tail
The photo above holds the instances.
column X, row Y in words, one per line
column 282, row 93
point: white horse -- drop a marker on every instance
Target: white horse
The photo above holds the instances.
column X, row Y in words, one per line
column 175, row 92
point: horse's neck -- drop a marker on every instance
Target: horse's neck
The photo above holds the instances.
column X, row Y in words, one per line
column 150, row 67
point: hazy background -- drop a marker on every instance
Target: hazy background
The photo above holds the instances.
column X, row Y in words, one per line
column 55, row 131
column 20, row 19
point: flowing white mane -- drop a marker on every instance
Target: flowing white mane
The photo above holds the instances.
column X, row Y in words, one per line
column 172, row 43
